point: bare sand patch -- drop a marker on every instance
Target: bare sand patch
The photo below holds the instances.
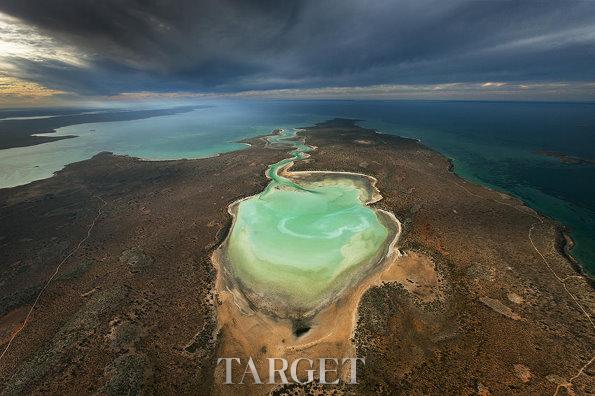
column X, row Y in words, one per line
column 497, row 306
column 522, row 372
column 515, row 298
column 247, row 332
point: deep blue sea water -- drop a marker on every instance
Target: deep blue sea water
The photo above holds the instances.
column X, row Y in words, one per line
column 492, row 143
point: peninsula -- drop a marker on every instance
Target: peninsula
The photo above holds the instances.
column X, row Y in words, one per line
column 132, row 281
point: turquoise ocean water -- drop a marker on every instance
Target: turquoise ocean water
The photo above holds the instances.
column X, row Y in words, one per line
column 496, row 144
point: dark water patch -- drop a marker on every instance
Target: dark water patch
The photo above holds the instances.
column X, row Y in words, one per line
column 300, row 328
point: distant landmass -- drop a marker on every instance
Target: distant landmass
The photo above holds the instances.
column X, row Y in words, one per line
column 17, row 129
column 567, row 159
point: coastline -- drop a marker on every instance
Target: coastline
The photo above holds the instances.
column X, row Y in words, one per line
column 565, row 245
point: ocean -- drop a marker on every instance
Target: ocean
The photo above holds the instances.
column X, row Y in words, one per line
column 497, row 144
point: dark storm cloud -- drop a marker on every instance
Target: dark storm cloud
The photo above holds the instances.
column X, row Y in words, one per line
column 224, row 45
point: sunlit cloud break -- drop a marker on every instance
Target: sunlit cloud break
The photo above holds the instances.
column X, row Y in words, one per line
column 22, row 41
column 19, row 92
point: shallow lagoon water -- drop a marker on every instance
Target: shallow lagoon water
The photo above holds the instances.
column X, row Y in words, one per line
column 298, row 244
column 197, row 134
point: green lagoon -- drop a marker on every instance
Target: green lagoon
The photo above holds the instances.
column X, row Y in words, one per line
column 301, row 241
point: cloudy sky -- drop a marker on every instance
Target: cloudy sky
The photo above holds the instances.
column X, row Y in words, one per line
column 125, row 50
